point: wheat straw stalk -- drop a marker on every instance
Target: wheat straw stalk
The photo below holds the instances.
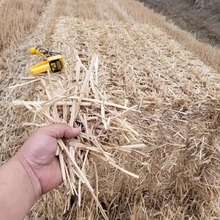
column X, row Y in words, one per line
column 91, row 109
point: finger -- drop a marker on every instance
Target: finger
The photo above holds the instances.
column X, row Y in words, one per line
column 61, row 130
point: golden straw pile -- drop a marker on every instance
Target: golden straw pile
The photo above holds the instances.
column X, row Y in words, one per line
column 178, row 118
column 81, row 100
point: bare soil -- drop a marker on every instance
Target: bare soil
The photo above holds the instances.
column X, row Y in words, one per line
column 201, row 19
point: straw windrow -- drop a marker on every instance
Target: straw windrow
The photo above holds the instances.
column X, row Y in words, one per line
column 144, row 83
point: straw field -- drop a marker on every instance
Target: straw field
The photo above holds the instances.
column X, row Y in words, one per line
column 17, row 17
column 146, row 96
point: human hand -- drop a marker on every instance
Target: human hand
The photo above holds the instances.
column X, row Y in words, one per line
column 37, row 156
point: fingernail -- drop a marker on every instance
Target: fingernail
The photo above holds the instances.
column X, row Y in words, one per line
column 76, row 129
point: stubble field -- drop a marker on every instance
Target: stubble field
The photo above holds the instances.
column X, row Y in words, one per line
column 172, row 78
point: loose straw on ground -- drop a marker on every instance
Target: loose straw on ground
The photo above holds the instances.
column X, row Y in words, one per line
column 85, row 105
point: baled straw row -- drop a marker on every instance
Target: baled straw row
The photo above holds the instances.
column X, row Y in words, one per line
column 84, row 104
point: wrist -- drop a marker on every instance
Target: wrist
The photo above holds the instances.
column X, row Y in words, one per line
column 32, row 181
column 20, row 189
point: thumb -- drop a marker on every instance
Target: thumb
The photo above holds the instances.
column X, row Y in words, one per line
column 61, row 130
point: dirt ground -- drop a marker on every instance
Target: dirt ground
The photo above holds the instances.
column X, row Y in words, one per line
column 203, row 20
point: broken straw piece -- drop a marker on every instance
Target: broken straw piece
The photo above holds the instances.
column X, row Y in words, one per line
column 103, row 124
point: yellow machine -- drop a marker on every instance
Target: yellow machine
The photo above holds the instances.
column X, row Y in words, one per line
column 53, row 61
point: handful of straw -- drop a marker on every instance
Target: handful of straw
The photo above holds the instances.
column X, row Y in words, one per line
column 84, row 103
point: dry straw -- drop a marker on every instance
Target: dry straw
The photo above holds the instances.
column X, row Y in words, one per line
column 86, row 105
column 179, row 120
